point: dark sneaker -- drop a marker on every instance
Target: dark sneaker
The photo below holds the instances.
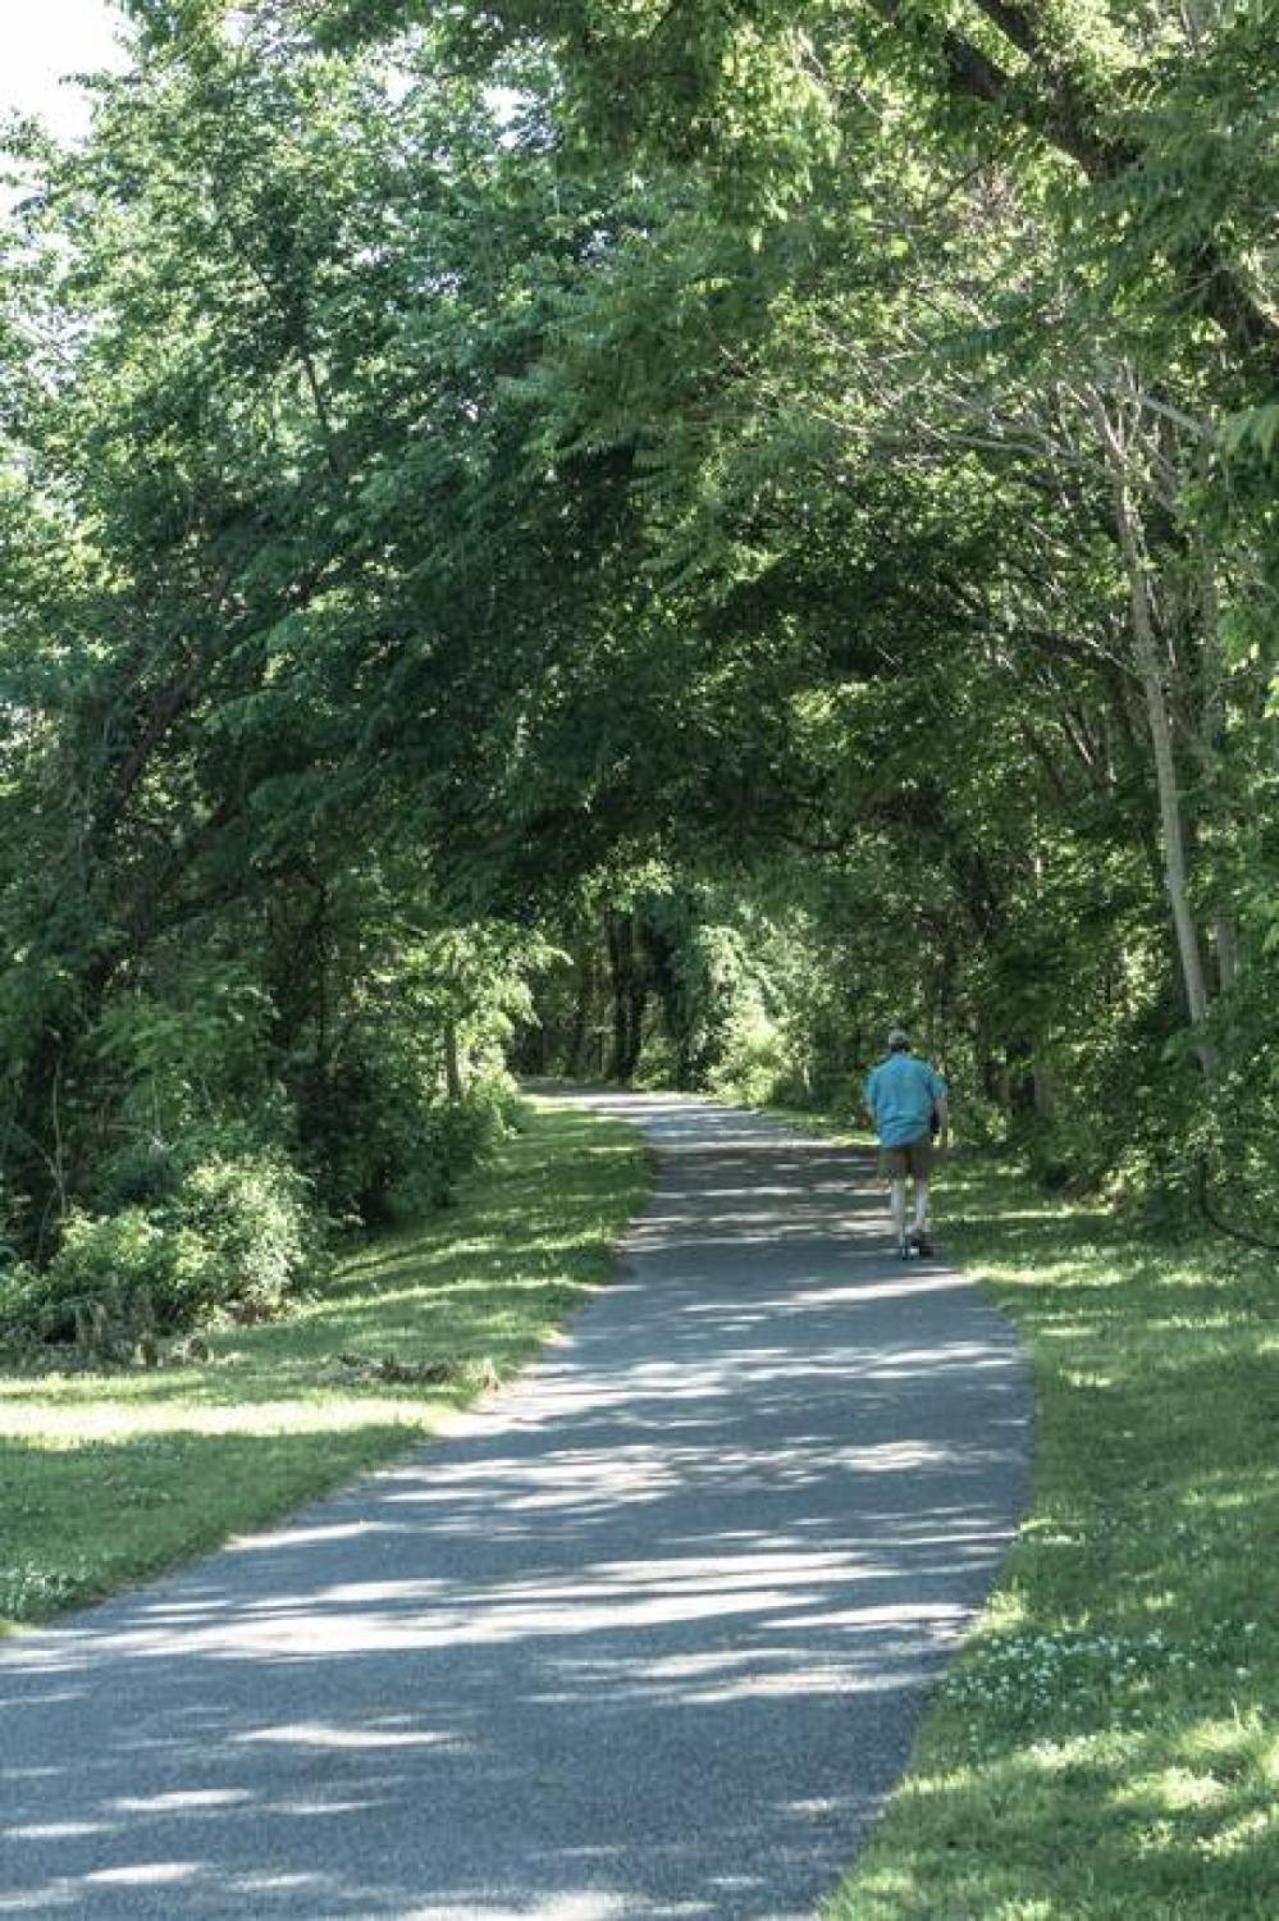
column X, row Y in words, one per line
column 920, row 1242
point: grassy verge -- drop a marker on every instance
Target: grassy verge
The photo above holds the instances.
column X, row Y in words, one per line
column 1108, row 1744
column 105, row 1478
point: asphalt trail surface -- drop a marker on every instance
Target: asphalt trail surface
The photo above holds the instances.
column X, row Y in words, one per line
column 648, row 1634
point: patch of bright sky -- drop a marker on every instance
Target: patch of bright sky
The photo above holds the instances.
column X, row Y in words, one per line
column 41, row 41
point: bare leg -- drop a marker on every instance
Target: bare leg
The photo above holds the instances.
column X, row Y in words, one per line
column 897, row 1205
column 921, row 1207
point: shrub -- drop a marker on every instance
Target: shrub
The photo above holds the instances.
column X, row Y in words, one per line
column 252, row 1219
column 451, row 1138
column 382, row 1139
column 115, row 1277
column 754, row 1066
column 234, row 1239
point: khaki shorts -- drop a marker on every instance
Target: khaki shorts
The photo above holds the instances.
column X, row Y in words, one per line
column 916, row 1158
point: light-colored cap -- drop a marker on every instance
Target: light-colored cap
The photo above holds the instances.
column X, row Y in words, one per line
column 898, row 1038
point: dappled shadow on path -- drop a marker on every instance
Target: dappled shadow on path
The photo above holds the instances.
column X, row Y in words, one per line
column 646, row 1636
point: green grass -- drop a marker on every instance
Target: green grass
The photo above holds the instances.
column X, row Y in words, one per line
column 108, row 1477
column 1108, row 1743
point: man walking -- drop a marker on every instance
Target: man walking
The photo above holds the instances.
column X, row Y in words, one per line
column 902, row 1096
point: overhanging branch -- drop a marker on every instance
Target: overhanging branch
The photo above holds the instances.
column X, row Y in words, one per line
column 1058, row 109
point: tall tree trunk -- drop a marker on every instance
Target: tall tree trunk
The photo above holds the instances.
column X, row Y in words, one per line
column 1172, row 825
column 1044, row 1092
column 1150, row 674
column 453, row 1075
column 583, row 1005
column 1212, row 744
column 617, row 932
column 629, row 994
column 1226, row 941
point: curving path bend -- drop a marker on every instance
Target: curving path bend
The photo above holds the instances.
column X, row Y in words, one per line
column 646, row 1636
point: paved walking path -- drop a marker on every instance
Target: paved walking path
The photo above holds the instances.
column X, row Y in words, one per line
column 646, row 1636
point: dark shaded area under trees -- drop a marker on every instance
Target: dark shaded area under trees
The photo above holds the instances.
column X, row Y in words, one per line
column 632, row 543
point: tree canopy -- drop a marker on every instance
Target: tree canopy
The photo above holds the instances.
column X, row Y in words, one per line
column 652, row 540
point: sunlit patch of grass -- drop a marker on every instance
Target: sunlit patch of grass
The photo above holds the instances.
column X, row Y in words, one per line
column 1108, row 1744
column 107, row 1477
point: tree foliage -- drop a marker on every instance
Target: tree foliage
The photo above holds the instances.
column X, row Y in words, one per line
column 686, row 533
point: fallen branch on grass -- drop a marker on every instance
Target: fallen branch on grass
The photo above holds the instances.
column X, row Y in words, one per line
column 386, row 1368
column 1206, row 1208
